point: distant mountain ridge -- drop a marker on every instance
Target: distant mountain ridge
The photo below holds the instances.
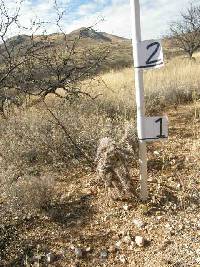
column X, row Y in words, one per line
column 120, row 48
column 102, row 36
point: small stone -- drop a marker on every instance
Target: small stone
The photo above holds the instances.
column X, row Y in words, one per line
column 127, row 239
column 165, row 244
column 138, row 223
column 123, row 259
column 198, row 251
column 151, row 179
column 75, row 264
column 131, row 247
column 63, row 252
column 180, row 227
column 107, row 217
column 88, row 249
column 140, row 241
column 118, row 244
column 63, row 197
column 78, row 252
column 122, row 233
column 72, row 247
column 168, row 226
column 198, row 260
column 112, row 249
column 104, row 254
column 156, row 153
column 178, row 186
column 172, row 233
column 37, row 258
column 126, row 207
column 50, row 257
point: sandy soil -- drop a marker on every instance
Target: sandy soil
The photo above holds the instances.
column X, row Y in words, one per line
column 85, row 228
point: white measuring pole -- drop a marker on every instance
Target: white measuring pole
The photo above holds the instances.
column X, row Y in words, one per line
column 139, row 87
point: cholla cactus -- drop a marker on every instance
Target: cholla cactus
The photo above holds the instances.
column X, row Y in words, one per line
column 112, row 166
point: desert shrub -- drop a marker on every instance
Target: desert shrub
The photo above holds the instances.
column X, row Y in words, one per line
column 26, row 195
column 87, row 121
column 173, row 96
column 33, row 139
column 177, row 83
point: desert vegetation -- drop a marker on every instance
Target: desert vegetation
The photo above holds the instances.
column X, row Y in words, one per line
column 59, row 96
column 36, row 150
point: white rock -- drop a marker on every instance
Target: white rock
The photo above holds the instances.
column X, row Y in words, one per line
column 118, row 244
column 126, row 207
column 168, row 226
column 198, row 260
column 78, row 252
column 104, row 254
column 88, row 249
column 159, row 217
column 178, row 186
column 72, row 247
column 122, row 259
column 138, row 223
column 50, row 257
column 140, row 241
column 198, row 251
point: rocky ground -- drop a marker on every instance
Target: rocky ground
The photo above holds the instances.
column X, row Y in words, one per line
column 85, row 228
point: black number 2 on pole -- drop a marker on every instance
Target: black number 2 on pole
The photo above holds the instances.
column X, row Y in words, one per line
column 150, row 60
column 161, row 128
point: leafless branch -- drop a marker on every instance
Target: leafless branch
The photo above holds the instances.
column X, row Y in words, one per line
column 73, row 142
column 186, row 31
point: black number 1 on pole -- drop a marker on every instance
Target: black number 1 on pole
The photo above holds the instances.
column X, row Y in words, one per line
column 161, row 128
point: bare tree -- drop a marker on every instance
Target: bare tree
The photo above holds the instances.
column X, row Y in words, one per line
column 40, row 64
column 186, row 31
column 15, row 53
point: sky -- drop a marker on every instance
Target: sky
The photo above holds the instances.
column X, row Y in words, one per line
column 111, row 16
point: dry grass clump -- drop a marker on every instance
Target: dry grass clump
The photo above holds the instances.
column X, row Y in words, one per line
column 33, row 139
column 176, row 83
column 26, row 195
column 27, row 140
column 22, row 200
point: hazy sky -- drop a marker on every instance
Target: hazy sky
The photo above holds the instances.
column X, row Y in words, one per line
column 155, row 14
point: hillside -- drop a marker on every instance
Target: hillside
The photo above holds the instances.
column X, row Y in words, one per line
column 120, row 49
